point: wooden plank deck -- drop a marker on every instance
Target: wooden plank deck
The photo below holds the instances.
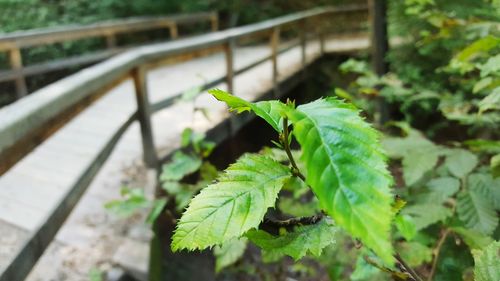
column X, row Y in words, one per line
column 33, row 187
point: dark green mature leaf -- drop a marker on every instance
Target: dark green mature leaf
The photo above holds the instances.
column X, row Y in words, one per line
column 495, row 166
column 346, row 169
column 416, row 164
column 229, row 253
column 476, row 211
column 182, row 164
column 230, row 207
column 439, row 189
column 487, row 263
column 270, row 111
column 487, row 186
column 424, row 215
column 460, row 162
column 304, row 239
column 419, row 154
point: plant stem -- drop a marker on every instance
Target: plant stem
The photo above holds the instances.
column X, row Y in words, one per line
column 437, row 250
column 407, row 268
column 294, row 221
column 286, row 146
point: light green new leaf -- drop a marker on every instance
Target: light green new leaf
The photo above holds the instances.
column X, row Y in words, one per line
column 487, row 263
column 229, row 253
column 491, row 66
column 270, row 111
column 491, row 101
column 476, row 211
column 346, row 168
column 230, row 207
column 460, row 162
column 182, row 164
column 406, row 226
column 479, row 46
column 296, row 244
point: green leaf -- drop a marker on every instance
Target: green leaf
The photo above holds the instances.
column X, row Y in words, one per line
column 296, row 208
column 133, row 200
column 439, row 190
column 186, row 137
column 296, row 244
column 487, row 263
column 479, row 46
column 491, row 66
column 491, row 101
column 363, row 271
column 405, row 226
column 346, row 168
column 460, row 162
column 476, row 211
column 480, row 145
column 229, row 253
column 158, row 206
column 495, row 167
column 487, row 186
column 414, row 253
column 230, row 207
column 181, row 165
column 424, row 215
column 270, row 111
column 416, row 164
column 474, row 239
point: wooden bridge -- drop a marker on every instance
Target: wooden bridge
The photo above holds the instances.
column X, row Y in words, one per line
column 55, row 141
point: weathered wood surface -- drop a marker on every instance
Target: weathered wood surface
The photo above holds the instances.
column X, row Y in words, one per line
column 36, row 37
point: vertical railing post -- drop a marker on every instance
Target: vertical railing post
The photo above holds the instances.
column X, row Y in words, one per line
column 303, row 34
column 110, row 40
column 229, row 54
column 321, row 35
column 144, row 117
column 174, row 33
column 275, row 42
column 379, row 46
column 16, row 63
column 214, row 21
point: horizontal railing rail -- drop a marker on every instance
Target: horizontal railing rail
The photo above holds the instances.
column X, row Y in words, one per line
column 12, row 43
column 27, row 122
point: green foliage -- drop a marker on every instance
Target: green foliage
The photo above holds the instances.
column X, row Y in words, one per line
column 182, row 164
column 460, row 162
column 237, row 203
column 229, row 253
column 301, row 241
column 133, row 200
column 337, row 147
column 487, row 263
column 476, row 211
column 270, row 111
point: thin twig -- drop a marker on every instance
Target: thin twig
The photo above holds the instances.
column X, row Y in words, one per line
column 437, row 250
column 294, row 221
column 407, row 268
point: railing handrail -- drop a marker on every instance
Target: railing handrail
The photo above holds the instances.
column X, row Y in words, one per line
column 19, row 118
column 34, row 37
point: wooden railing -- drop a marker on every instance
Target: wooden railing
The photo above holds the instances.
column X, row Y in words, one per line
column 12, row 43
column 27, row 122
